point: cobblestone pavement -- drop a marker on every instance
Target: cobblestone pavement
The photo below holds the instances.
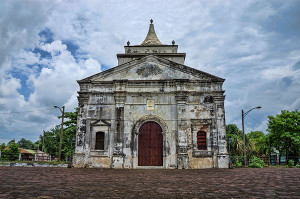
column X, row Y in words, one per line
column 39, row 182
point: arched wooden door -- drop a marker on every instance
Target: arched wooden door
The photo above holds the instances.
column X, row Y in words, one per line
column 150, row 150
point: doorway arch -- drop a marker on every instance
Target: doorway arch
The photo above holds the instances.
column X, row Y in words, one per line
column 150, row 144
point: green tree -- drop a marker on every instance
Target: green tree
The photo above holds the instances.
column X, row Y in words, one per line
column 236, row 139
column 12, row 153
column 26, row 144
column 2, row 146
column 259, row 142
column 69, row 133
column 37, row 145
column 11, row 142
column 284, row 133
column 51, row 138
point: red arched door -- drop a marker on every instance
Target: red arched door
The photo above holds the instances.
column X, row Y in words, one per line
column 150, row 151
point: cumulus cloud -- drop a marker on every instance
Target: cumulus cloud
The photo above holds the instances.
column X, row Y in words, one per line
column 54, row 84
column 47, row 46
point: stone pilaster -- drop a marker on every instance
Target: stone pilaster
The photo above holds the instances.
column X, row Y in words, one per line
column 118, row 115
column 222, row 156
column 182, row 130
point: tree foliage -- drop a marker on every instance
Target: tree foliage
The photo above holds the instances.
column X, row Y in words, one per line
column 11, row 152
column 256, row 142
column 2, row 146
column 284, row 133
column 235, row 137
column 25, row 144
column 259, row 141
column 50, row 139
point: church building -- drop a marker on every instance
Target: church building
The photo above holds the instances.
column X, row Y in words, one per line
column 151, row 111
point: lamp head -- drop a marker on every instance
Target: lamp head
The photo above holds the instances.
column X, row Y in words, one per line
column 55, row 106
column 258, row 107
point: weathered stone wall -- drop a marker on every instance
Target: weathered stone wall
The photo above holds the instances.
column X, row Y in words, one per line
column 151, row 49
column 181, row 107
column 175, row 58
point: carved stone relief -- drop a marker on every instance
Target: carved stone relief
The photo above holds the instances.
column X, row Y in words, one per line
column 148, row 69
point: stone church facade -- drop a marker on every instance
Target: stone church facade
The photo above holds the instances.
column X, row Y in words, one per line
column 151, row 111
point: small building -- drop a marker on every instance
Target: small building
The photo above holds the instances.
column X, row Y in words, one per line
column 42, row 156
column 27, row 154
column 151, row 111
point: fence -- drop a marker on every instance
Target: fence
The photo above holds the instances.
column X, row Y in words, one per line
column 279, row 160
column 38, row 156
column 268, row 160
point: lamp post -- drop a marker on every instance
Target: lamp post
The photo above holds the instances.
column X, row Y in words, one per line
column 243, row 116
column 230, row 162
column 61, row 129
column 70, row 158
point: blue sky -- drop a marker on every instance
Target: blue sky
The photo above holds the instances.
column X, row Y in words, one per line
column 47, row 45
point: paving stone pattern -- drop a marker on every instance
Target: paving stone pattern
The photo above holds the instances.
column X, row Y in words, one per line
column 39, row 182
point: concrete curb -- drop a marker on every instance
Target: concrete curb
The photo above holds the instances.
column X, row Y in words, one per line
column 9, row 164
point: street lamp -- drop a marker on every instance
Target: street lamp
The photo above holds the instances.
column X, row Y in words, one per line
column 230, row 162
column 244, row 115
column 61, row 129
column 70, row 158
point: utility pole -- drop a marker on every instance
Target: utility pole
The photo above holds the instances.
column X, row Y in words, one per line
column 244, row 140
column 43, row 141
column 61, row 129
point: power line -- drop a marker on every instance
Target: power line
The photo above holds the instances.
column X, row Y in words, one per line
column 257, row 121
column 16, row 112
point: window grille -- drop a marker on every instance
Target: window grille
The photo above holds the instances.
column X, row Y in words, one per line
column 201, row 140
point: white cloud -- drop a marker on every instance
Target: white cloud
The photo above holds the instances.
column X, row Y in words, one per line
column 54, row 85
column 252, row 44
column 280, row 72
column 9, row 87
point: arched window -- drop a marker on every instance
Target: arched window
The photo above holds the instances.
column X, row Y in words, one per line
column 201, row 140
column 99, row 145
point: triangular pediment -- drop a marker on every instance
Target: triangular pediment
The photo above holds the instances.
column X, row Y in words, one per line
column 152, row 67
column 100, row 123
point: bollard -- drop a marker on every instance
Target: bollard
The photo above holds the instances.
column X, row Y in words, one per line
column 19, row 156
column 50, row 158
column 35, row 157
column 0, row 154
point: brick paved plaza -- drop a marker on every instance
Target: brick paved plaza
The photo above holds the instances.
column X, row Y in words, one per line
column 38, row 182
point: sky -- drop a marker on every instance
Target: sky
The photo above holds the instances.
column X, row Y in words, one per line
column 46, row 45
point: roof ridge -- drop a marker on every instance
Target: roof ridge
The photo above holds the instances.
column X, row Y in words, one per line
column 174, row 64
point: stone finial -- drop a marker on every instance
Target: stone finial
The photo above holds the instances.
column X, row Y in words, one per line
column 151, row 21
column 173, row 42
column 128, row 43
column 151, row 38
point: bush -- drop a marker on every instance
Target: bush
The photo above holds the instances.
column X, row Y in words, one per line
column 256, row 162
column 298, row 166
column 238, row 164
column 291, row 163
column 237, row 161
column 12, row 153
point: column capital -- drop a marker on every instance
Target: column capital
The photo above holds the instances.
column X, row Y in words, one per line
column 181, row 96
column 120, row 98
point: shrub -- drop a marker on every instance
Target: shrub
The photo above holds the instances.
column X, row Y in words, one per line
column 256, row 162
column 12, row 153
column 291, row 163
column 238, row 164
column 298, row 166
column 237, row 161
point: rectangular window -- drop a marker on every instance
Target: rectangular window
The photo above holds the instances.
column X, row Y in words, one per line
column 99, row 145
column 201, row 140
